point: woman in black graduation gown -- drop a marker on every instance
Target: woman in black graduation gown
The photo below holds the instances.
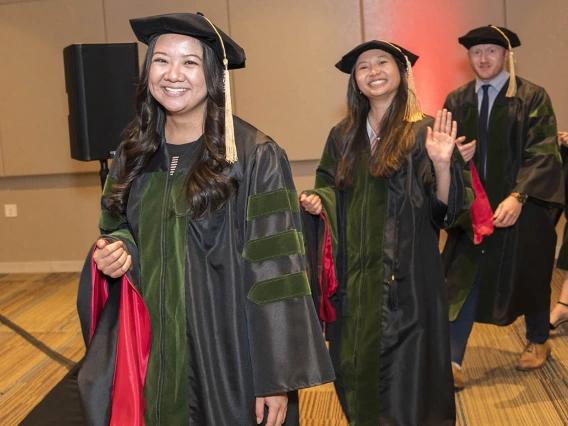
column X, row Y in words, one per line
column 385, row 182
column 200, row 211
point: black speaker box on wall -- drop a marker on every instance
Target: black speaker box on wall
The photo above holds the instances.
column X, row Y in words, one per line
column 101, row 85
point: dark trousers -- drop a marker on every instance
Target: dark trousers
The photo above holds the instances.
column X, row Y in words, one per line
column 537, row 323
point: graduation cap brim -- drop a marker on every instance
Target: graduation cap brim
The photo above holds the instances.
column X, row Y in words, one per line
column 489, row 35
column 348, row 61
column 192, row 25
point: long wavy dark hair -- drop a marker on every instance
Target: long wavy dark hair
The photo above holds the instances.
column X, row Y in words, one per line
column 207, row 188
column 397, row 137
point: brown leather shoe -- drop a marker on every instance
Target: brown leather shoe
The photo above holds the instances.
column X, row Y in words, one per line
column 534, row 356
column 459, row 382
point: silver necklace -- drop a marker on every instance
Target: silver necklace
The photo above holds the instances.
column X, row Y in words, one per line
column 371, row 132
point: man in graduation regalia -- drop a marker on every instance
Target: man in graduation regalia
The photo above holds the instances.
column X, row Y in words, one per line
column 516, row 154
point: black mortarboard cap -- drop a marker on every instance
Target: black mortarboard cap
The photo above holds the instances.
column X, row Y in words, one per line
column 348, row 61
column 490, row 35
column 193, row 25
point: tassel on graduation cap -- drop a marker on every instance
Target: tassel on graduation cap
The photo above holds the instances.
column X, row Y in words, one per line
column 512, row 89
column 230, row 147
column 413, row 111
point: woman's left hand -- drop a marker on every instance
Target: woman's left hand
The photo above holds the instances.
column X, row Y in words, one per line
column 441, row 140
column 277, row 407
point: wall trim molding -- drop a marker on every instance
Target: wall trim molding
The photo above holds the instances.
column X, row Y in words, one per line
column 41, row 267
column 90, row 179
column 65, row 266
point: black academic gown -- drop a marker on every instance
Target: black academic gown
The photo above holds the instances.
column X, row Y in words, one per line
column 390, row 340
column 522, row 157
column 228, row 298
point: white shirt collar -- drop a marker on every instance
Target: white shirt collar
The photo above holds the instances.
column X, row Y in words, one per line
column 497, row 83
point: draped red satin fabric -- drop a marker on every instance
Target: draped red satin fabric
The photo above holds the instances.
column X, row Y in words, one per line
column 133, row 349
column 481, row 213
column 327, row 280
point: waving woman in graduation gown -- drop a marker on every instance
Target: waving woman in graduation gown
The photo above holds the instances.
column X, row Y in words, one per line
column 385, row 182
column 201, row 209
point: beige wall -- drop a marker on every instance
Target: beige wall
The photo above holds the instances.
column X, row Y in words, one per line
column 56, row 223
column 33, row 101
column 543, row 55
column 1, row 160
column 290, row 88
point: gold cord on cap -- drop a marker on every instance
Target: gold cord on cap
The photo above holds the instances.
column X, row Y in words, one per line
column 512, row 89
column 413, row 112
column 230, row 147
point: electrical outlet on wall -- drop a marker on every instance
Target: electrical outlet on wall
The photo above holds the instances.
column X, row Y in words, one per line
column 10, row 210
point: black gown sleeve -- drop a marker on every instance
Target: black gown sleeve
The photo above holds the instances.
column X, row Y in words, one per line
column 113, row 226
column 540, row 175
column 286, row 343
column 97, row 374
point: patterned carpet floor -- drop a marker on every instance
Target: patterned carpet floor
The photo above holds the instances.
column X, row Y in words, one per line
column 40, row 340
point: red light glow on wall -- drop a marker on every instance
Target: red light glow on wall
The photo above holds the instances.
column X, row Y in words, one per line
column 430, row 29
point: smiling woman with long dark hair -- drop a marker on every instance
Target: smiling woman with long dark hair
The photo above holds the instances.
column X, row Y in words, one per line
column 200, row 224
column 207, row 187
column 385, row 183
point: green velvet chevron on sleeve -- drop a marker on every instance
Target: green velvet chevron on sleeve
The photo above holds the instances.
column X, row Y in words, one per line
column 272, row 202
column 281, row 288
column 542, row 111
column 274, row 246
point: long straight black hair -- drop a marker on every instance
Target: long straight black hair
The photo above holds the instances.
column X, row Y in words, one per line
column 207, row 188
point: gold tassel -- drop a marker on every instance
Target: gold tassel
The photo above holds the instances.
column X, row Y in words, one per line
column 230, row 146
column 512, row 89
column 413, row 111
